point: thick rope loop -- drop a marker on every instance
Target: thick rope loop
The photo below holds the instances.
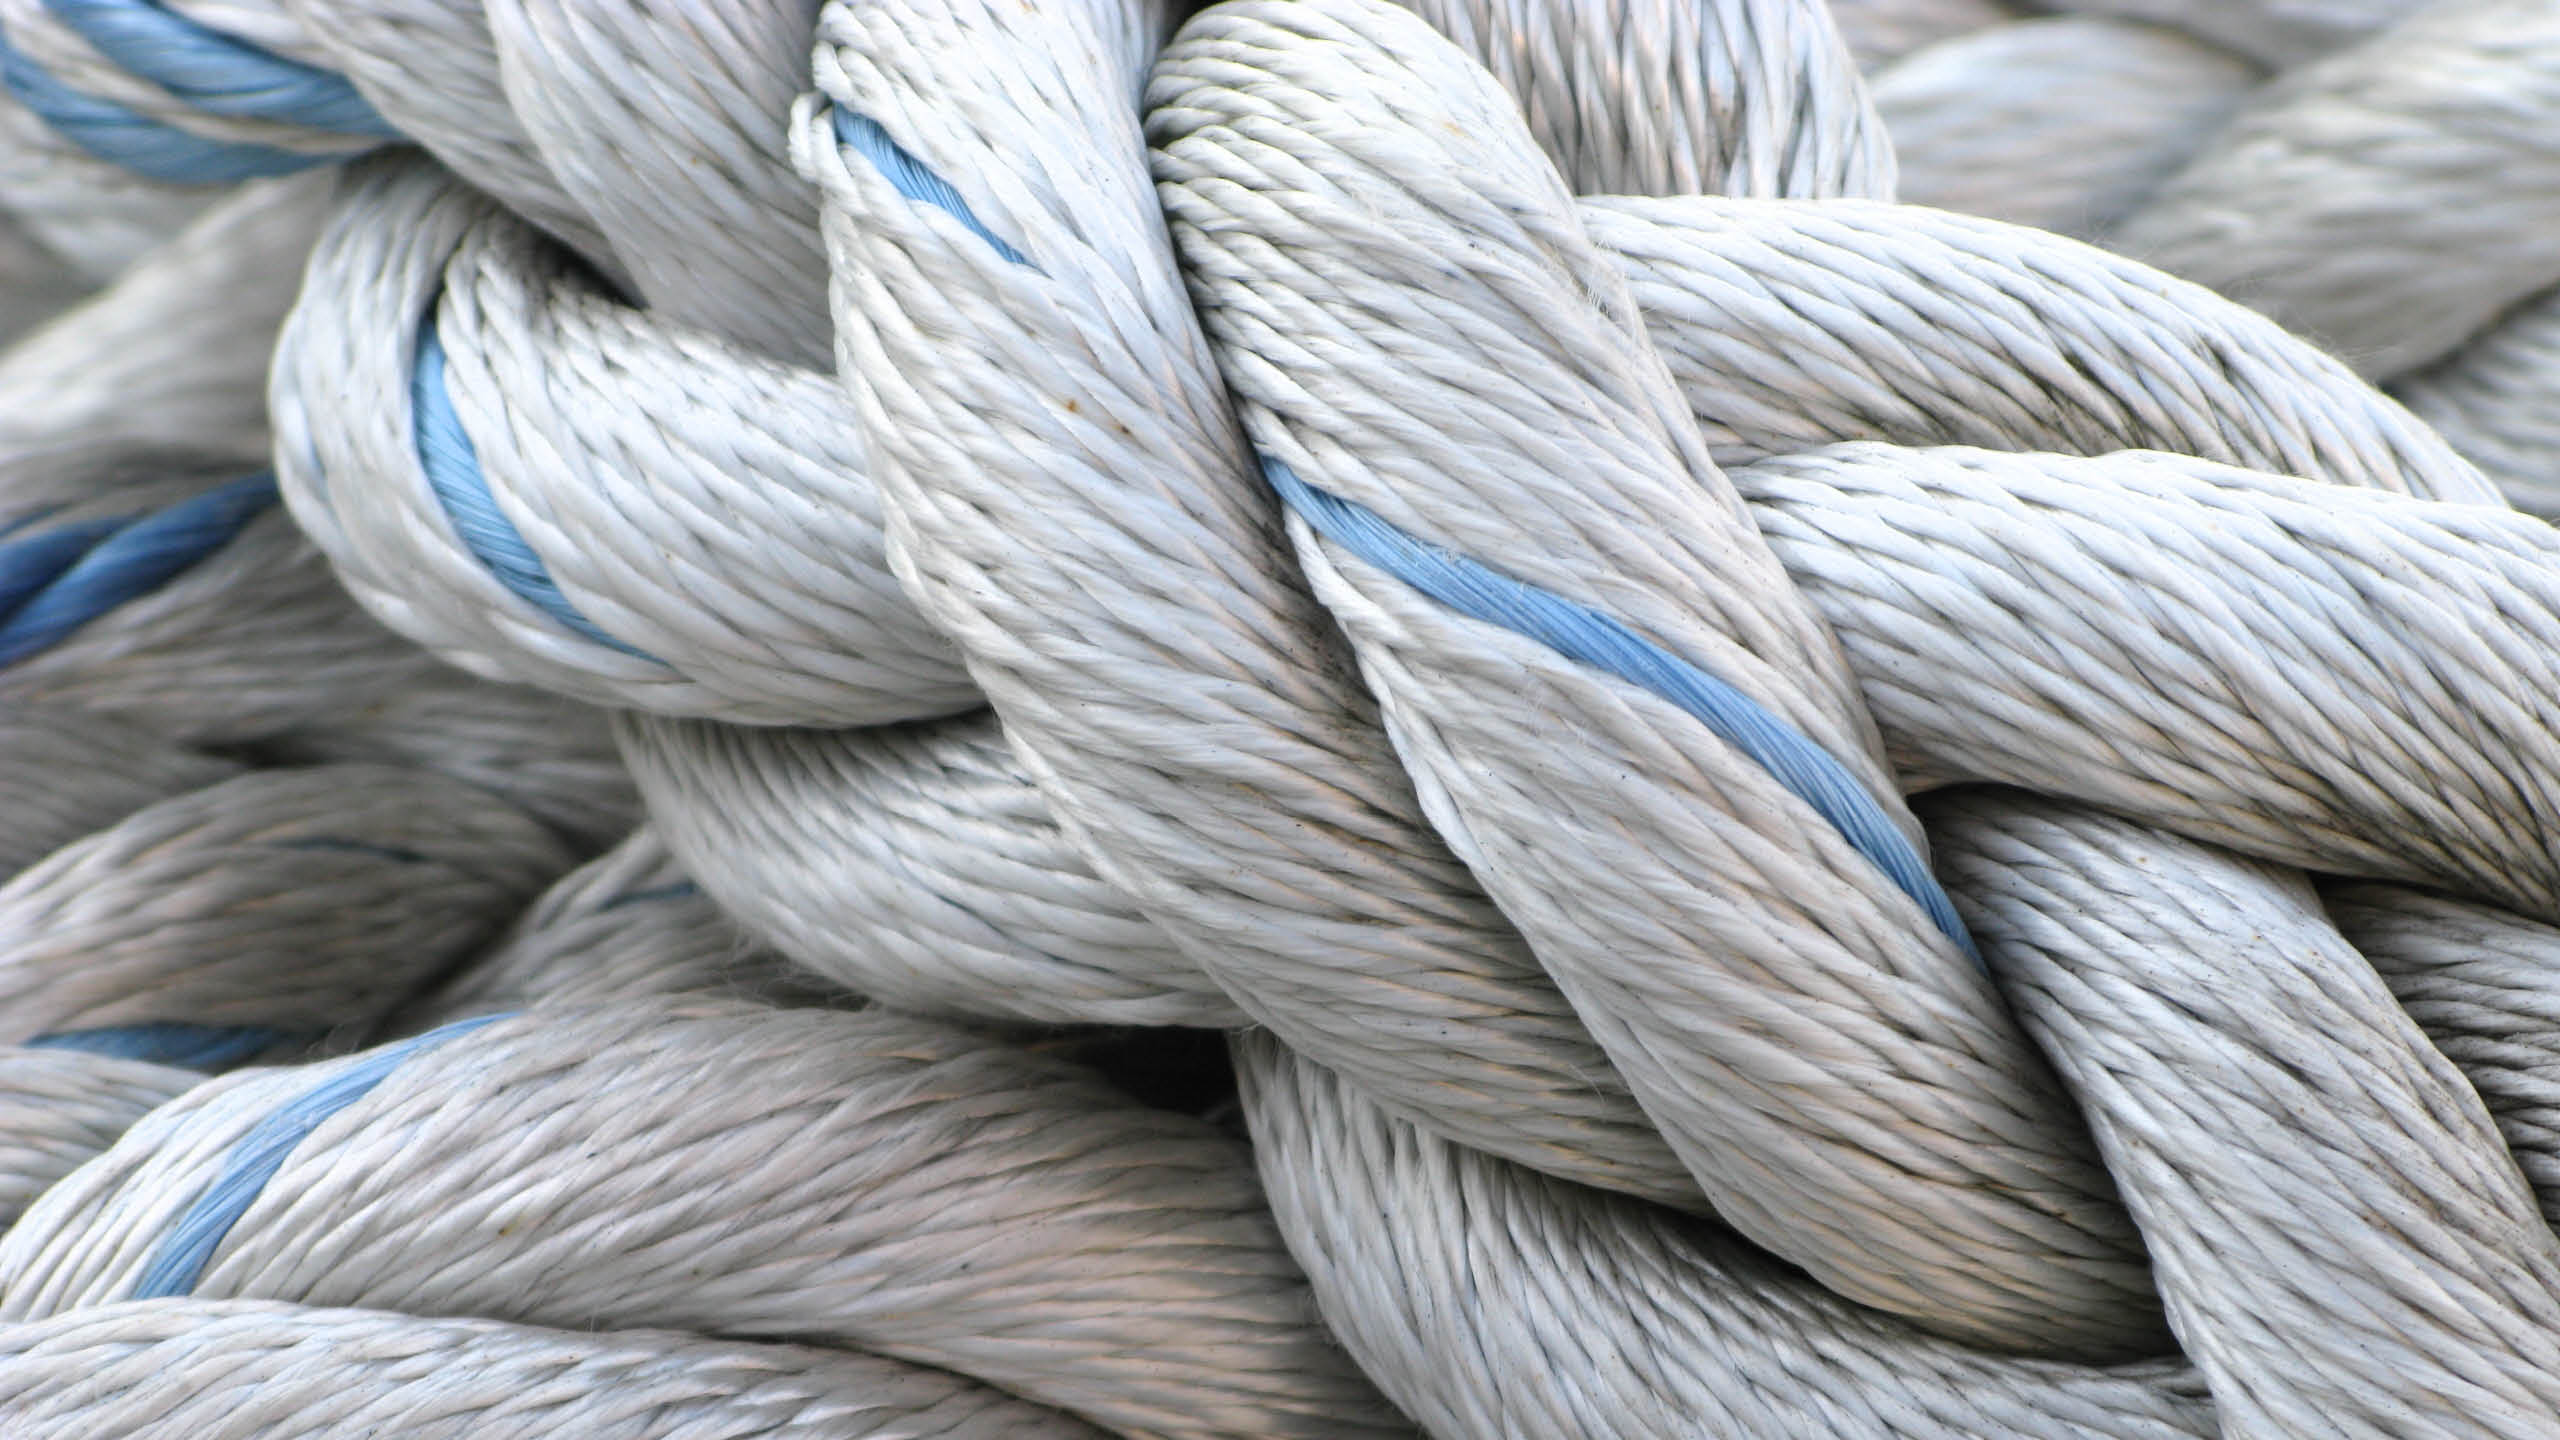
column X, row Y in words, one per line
column 851, row 1178
column 2234, row 1355
column 1663, row 874
column 916, row 865
column 276, row 907
column 2295, row 1149
column 2030, row 343
column 547, row 488
column 160, row 1367
column 150, row 577
column 1180, row 699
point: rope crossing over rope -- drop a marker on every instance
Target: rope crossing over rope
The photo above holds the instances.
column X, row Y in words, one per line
column 1739, row 758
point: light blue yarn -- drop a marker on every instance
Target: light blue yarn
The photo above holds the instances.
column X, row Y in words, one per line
column 54, row 581
column 913, row 180
column 137, row 142
column 452, row 464
column 216, row 73
column 680, row 890
column 188, row 1247
column 1811, row 773
column 210, row 1048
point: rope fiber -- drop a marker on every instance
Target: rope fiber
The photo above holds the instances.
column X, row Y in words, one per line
column 1805, row 750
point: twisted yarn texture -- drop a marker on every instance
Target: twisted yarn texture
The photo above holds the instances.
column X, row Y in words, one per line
column 1561, row 719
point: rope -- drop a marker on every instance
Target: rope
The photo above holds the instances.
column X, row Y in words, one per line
column 628, row 923
column 2187, row 166
column 317, row 1372
column 1082, row 523
column 855, row 1170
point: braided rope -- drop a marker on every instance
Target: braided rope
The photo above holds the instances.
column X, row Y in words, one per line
column 1332, row 513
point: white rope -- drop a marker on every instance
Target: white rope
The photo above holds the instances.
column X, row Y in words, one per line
column 1698, row 953
column 2481, row 982
column 2273, row 32
column 2424, row 140
column 864, row 1179
column 1879, row 32
column 301, row 901
column 1330, row 509
column 628, row 923
column 2292, row 1145
column 1634, row 97
column 430, row 67
column 2114, row 107
column 2493, row 400
column 234, row 1370
column 915, row 865
column 721, row 541
column 2456, row 98
column 64, row 776
column 60, row 1108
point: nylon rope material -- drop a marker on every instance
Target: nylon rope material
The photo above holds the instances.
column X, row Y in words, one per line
column 180, row 1257
column 1595, row 639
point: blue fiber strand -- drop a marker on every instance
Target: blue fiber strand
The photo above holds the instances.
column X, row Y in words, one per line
column 147, row 147
column 113, row 562
column 210, row 1048
column 32, row 562
column 179, row 1261
column 1581, row 633
column 912, row 179
column 452, row 464
column 216, row 73
column 681, row 890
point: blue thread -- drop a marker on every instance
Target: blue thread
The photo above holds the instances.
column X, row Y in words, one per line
column 147, row 147
column 216, row 73
column 57, row 580
column 1602, row 642
column 911, row 179
column 210, row 1048
column 188, row 1247
column 452, row 464
column 681, row 890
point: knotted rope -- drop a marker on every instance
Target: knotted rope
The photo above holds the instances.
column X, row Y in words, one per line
column 1484, row 638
